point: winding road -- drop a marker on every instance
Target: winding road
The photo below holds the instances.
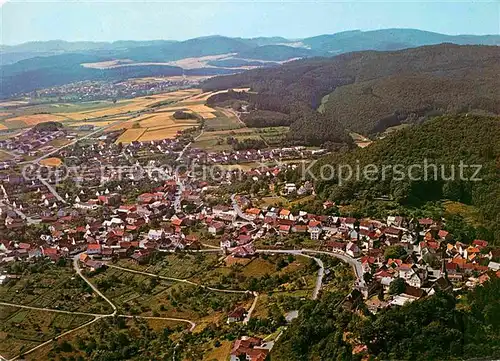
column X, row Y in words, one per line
column 321, row 271
column 238, row 209
column 96, row 316
column 356, row 264
column 76, row 266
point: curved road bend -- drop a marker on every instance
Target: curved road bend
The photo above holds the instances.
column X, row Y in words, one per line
column 178, row 280
column 57, row 337
column 356, row 264
column 238, row 210
column 78, row 270
column 193, row 325
column 53, row 310
column 321, row 271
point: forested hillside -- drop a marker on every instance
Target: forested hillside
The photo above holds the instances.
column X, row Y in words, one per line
column 375, row 90
column 436, row 328
column 445, row 141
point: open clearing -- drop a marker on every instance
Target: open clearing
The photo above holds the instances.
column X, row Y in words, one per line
column 130, row 135
column 35, row 119
column 51, row 162
column 155, row 126
column 146, row 118
column 159, row 134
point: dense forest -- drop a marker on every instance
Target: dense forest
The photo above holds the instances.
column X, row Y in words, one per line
column 440, row 327
column 370, row 91
column 445, row 142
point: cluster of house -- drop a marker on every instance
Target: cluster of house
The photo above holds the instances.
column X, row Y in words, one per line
column 97, row 90
column 251, row 155
column 431, row 259
column 250, row 349
column 29, row 141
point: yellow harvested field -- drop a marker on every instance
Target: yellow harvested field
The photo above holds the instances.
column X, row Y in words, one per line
column 205, row 96
column 75, row 116
column 4, row 114
column 163, row 120
column 199, row 108
column 132, row 105
column 176, row 125
column 97, row 124
column 51, row 162
column 130, row 135
column 125, row 125
column 13, row 103
column 30, row 120
column 3, row 127
column 159, row 134
column 207, row 115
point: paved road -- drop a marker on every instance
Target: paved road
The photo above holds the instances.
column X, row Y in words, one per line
column 52, row 310
column 37, row 160
column 252, row 308
column 28, row 219
column 56, row 338
column 180, row 184
column 321, row 271
column 96, row 316
column 100, row 129
column 238, row 210
column 181, row 154
column 177, row 280
column 178, row 194
column 78, row 270
column 191, row 328
column 52, row 190
column 356, row 264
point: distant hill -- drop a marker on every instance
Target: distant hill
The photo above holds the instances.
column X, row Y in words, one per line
column 277, row 53
column 391, row 39
column 13, row 54
column 32, row 74
column 225, row 49
column 371, row 91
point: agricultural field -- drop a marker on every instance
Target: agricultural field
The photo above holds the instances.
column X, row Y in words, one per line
column 22, row 329
column 218, row 140
column 51, row 162
column 79, row 345
column 21, row 114
column 51, row 286
column 31, row 120
column 182, row 266
column 130, row 135
column 224, row 119
column 153, row 126
column 137, row 294
column 146, row 118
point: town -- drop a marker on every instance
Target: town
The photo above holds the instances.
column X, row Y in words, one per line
column 100, row 215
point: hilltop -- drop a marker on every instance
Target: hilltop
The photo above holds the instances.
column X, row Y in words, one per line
column 23, row 68
column 444, row 141
column 367, row 92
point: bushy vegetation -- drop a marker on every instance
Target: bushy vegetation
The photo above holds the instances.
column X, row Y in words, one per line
column 435, row 328
column 444, row 141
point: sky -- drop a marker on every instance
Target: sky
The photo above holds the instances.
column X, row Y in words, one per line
column 92, row 20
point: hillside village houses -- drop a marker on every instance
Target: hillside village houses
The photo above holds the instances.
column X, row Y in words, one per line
column 432, row 260
column 105, row 225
